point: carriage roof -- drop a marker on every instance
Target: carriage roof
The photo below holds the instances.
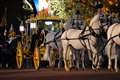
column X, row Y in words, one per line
column 44, row 18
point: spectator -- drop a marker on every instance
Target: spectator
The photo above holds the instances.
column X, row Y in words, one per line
column 77, row 22
column 115, row 12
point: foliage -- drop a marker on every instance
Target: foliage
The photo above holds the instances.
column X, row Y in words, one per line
column 66, row 8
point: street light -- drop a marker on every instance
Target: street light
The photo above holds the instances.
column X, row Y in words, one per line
column 48, row 23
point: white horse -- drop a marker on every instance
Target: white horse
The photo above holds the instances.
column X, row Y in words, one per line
column 113, row 35
column 72, row 38
column 76, row 53
column 53, row 43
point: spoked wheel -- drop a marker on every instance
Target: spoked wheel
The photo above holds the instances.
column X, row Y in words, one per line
column 36, row 58
column 19, row 56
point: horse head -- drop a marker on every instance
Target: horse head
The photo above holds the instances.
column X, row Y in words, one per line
column 98, row 24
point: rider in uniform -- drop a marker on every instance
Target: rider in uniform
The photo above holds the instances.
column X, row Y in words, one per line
column 77, row 22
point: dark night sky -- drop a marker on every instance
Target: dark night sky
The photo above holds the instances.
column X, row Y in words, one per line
column 14, row 7
column 15, row 12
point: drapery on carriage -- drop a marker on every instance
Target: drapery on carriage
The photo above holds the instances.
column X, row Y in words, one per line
column 23, row 46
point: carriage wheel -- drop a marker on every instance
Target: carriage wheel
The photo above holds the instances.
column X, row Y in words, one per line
column 19, row 56
column 36, row 58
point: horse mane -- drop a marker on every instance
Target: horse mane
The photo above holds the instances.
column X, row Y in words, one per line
column 94, row 19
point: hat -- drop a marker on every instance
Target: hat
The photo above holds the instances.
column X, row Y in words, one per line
column 98, row 6
column 77, row 12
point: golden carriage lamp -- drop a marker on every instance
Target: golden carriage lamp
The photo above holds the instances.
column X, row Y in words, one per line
column 33, row 27
column 22, row 30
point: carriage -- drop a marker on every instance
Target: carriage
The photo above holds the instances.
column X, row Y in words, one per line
column 23, row 46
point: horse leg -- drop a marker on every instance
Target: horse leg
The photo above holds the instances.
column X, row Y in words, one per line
column 52, row 58
column 116, row 59
column 65, row 48
column 94, row 56
column 77, row 56
column 83, row 58
column 109, row 47
column 60, row 59
column 98, row 65
column 89, row 55
column 70, row 58
column 48, row 55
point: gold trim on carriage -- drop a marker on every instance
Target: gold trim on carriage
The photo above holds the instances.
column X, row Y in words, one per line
column 23, row 46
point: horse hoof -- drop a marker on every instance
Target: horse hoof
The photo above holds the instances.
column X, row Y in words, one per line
column 83, row 69
column 116, row 70
column 52, row 68
column 76, row 69
column 111, row 70
column 93, row 67
column 97, row 70
column 72, row 68
column 67, row 69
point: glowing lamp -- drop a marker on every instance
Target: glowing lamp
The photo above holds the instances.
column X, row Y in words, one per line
column 48, row 22
column 33, row 25
column 22, row 28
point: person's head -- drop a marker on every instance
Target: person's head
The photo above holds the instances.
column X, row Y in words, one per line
column 77, row 14
column 99, row 6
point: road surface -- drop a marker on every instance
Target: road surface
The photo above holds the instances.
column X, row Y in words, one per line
column 49, row 74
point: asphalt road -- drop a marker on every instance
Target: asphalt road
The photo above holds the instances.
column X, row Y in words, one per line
column 49, row 74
